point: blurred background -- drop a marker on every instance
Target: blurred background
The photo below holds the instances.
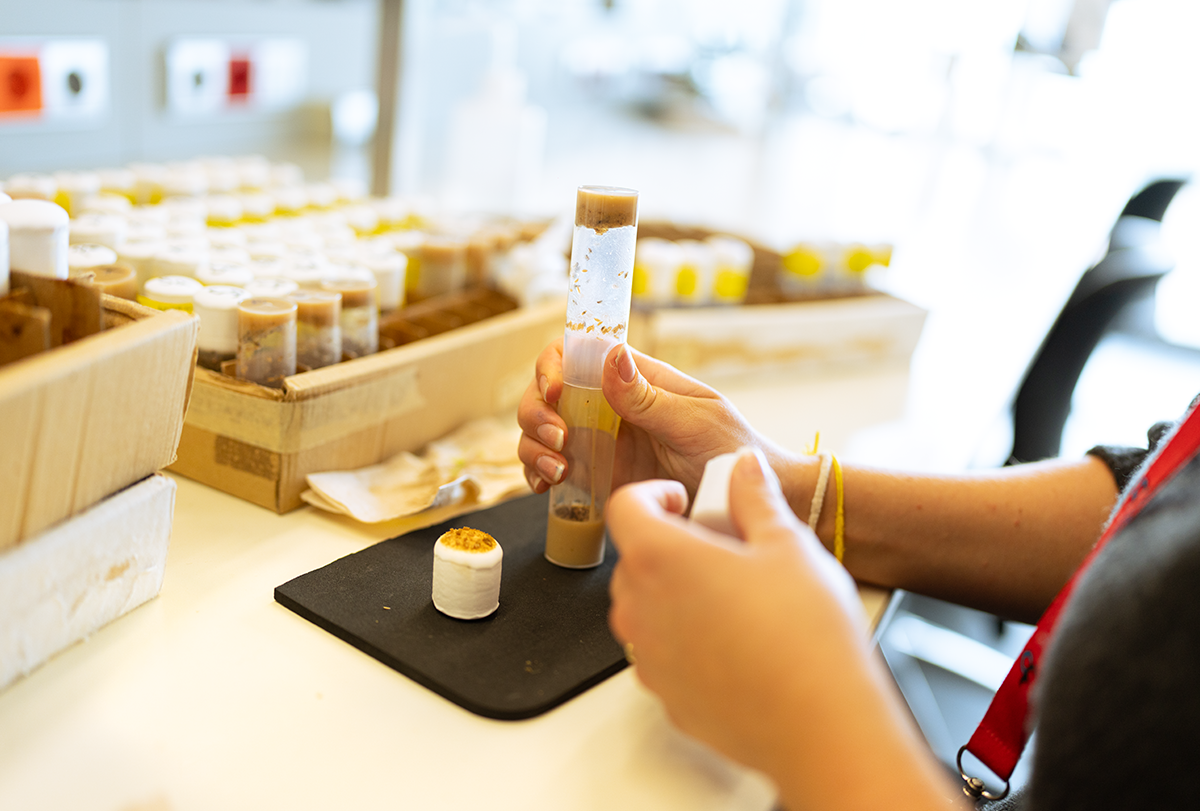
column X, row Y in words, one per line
column 992, row 142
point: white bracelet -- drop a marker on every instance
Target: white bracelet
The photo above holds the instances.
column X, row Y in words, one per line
column 818, row 500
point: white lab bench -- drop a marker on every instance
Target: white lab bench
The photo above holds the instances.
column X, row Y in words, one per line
column 213, row 695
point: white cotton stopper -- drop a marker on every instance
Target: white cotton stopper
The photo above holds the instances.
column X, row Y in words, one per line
column 267, row 287
column 224, row 209
column 140, row 255
column 31, row 186
column 37, row 237
column 171, row 290
column 231, row 274
column 76, row 190
column 178, row 258
column 257, row 205
column 95, row 228
column 3, row 258
column 217, row 308
column 711, row 507
column 466, row 573
column 734, row 259
column 4, row 198
column 657, row 263
column 219, row 237
column 83, row 258
column 389, row 270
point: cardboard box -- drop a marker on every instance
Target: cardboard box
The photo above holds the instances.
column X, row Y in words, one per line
column 773, row 333
column 85, row 419
column 60, row 586
column 260, row 443
column 722, row 344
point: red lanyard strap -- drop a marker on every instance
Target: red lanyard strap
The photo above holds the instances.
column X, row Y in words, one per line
column 1005, row 728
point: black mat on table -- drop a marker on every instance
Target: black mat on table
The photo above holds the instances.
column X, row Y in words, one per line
column 548, row 641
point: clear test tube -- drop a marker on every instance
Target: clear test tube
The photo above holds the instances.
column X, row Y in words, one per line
column 360, row 314
column 442, row 269
column 266, row 350
column 600, row 287
column 217, row 308
column 116, row 280
column 318, row 327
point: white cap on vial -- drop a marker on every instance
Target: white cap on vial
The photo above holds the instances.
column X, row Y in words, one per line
column 267, row 287
column 31, row 186
column 37, row 237
column 225, row 274
column 171, row 291
column 180, row 259
column 217, row 307
column 100, row 229
column 389, row 270
column 82, row 258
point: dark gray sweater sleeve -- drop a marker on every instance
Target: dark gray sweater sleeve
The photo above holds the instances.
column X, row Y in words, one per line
column 1123, row 461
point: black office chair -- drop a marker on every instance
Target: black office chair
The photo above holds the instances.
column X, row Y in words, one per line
column 1126, row 276
column 948, row 660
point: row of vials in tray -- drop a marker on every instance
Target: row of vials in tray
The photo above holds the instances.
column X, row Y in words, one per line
column 329, row 260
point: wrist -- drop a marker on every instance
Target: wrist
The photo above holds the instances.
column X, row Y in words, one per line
column 799, row 474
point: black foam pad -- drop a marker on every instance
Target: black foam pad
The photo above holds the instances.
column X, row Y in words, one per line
column 547, row 642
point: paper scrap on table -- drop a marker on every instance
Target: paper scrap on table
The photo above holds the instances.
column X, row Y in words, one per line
column 477, row 463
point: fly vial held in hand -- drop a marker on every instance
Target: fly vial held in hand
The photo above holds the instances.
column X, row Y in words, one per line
column 600, row 285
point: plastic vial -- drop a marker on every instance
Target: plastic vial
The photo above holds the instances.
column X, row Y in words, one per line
column 170, row 293
column 266, row 350
column 600, row 287
column 217, row 308
column 116, row 280
column 360, row 315
column 318, row 327
column 84, row 258
column 37, row 237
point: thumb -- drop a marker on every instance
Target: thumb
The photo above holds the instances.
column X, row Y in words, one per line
column 756, row 502
column 632, row 396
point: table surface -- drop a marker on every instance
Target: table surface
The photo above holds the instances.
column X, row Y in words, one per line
column 214, row 696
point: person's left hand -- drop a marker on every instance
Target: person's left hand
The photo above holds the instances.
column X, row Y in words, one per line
column 745, row 642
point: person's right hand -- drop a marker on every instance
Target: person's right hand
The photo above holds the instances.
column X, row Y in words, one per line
column 671, row 425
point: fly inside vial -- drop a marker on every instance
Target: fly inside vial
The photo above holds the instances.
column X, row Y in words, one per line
column 600, row 287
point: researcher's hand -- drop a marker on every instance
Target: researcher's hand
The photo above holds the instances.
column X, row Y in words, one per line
column 746, row 642
column 671, row 424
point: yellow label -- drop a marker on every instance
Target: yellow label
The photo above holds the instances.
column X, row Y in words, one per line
column 412, row 276
column 858, row 259
column 731, row 285
column 802, row 262
column 161, row 305
column 641, row 280
column 686, row 280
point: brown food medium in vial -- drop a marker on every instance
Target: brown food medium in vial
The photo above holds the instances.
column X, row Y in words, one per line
column 603, row 207
column 354, row 292
column 466, row 539
column 572, row 540
column 318, row 308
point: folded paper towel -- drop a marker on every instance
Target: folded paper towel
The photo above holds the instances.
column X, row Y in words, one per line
column 477, row 463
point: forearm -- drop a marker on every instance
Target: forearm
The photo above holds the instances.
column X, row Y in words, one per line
column 857, row 748
column 1004, row 540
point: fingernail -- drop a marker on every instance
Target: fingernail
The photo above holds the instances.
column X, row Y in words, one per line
column 551, row 470
column 544, row 385
column 551, row 436
column 625, row 367
column 532, row 479
column 764, row 468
